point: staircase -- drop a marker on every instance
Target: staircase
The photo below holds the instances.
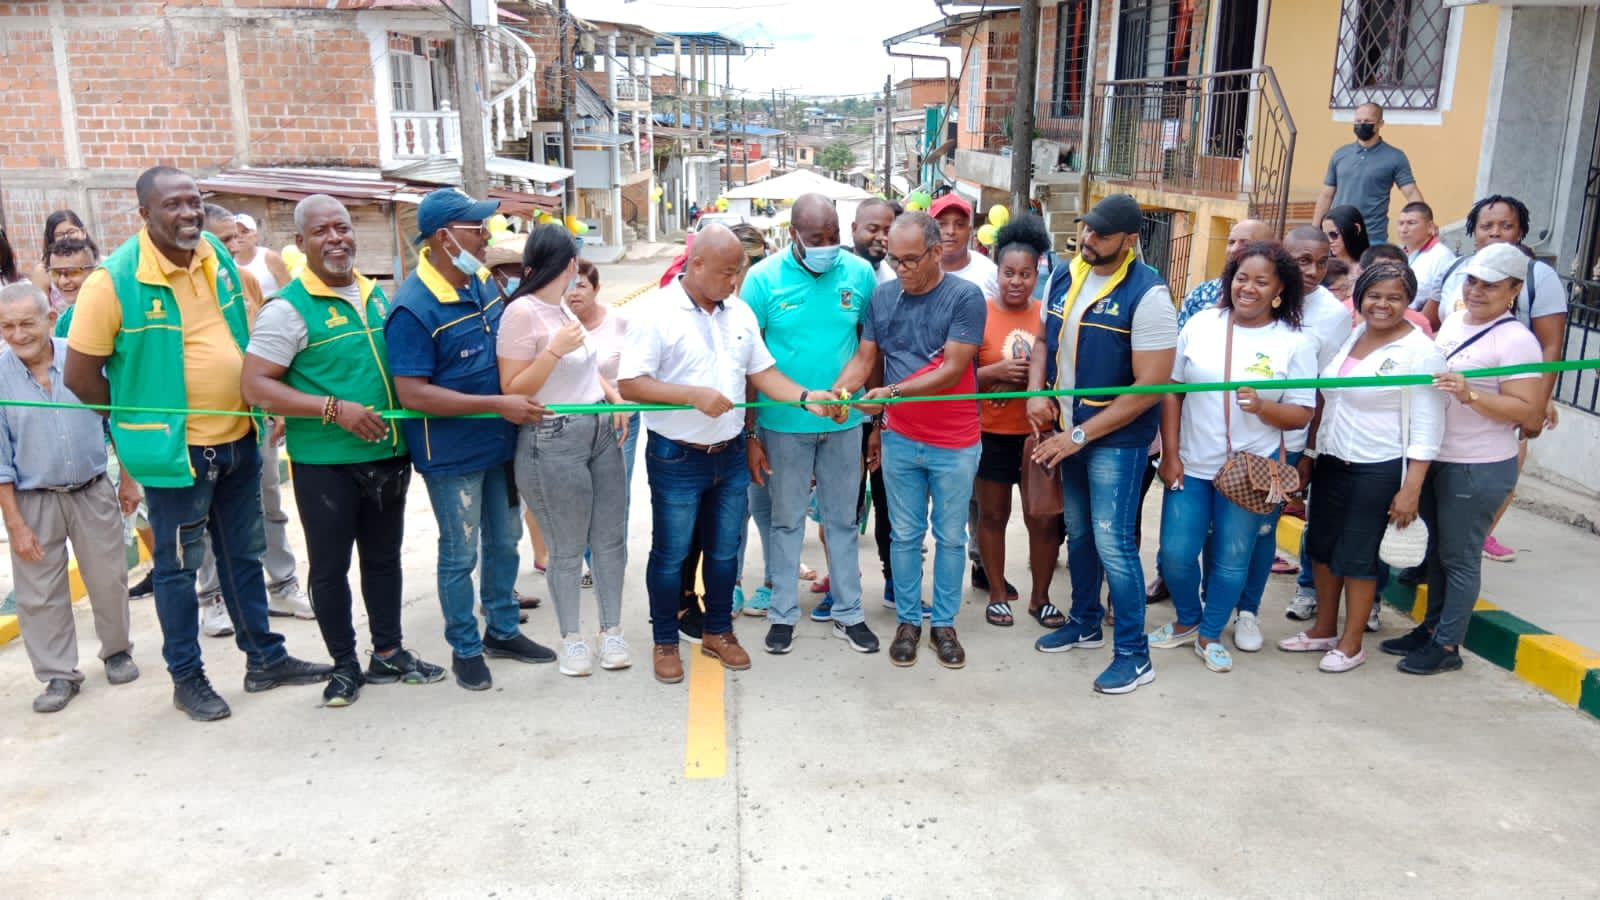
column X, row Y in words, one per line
column 1061, row 198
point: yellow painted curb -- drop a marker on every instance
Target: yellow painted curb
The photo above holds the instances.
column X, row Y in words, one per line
column 1555, row 664
column 9, row 629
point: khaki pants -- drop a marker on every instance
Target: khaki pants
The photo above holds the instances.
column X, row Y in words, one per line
column 91, row 519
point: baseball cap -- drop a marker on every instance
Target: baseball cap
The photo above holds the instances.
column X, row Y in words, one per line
column 1116, row 214
column 1497, row 262
column 505, row 250
column 951, row 200
column 246, row 221
column 447, row 205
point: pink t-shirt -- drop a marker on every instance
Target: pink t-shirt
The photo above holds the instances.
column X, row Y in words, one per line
column 1349, row 364
column 525, row 331
column 607, row 338
column 1470, row 437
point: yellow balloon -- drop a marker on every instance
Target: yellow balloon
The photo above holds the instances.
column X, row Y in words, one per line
column 986, row 235
column 498, row 223
column 583, row 229
column 999, row 215
column 571, row 221
column 669, row 206
column 656, row 194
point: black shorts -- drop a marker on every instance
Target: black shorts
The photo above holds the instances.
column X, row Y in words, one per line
column 1001, row 461
column 1350, row 513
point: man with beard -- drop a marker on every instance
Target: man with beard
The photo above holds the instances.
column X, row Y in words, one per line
column 869, row 235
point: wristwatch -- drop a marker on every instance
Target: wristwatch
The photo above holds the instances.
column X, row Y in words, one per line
column 1078, row 437
column 894, row 390
column 1472, row 397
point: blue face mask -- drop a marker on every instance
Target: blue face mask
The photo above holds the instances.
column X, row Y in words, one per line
column 464, row 261
column 511, row 284
column 818, row 259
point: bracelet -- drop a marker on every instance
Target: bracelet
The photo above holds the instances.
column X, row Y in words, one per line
column 552, row 352
column 804, row 393
column 330, row 410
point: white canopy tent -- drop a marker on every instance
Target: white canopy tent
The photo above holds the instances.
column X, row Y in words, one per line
column 792, row 185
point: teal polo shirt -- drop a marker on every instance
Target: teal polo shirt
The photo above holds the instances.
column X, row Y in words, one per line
column 812, row 324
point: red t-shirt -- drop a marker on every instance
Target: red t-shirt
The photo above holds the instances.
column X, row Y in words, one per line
column 952, row 424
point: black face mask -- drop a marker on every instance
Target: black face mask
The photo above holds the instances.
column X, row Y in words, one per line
column 1365, row 131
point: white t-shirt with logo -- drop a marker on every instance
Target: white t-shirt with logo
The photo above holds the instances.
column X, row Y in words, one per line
column 981, row 271
column 1270, row 352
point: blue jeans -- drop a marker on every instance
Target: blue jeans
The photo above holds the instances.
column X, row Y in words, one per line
column 692, row 489
column 833, row 458
column 629, row 445
column 224, row 501
column 759, row 509
column 1266, row 551
column 473, row 509
column 915, row 474
column 1100, row 489
column 1230, row 551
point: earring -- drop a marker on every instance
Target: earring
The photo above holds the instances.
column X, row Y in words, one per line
column 1277, row 302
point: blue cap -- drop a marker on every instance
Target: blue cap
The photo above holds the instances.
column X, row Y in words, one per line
column 447, row 205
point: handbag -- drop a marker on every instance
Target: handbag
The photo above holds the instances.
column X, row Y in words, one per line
column 1253, row 483
column 1405, row 548
column 1041, row 485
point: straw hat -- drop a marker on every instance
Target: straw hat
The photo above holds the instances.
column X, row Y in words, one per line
column 505, row 250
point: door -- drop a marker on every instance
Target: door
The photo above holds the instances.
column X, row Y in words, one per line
column 1236, row 51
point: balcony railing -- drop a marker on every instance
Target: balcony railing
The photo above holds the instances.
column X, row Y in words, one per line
column 420, row 135
column 1581, row 389
column 1225, row 134
column 633, row 90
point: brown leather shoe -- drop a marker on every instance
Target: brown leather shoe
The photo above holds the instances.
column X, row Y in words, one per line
column 948, row 647
column 725, row 647
column 903, row 652
column 669, row 666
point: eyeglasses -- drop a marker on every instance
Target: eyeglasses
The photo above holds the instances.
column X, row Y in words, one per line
column 478, row 229
column 897, row 262
column 70, row 271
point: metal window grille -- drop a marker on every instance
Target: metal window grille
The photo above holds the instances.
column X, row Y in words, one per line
column 1581, row 389
column 1390, row 52
column 403, row 80
column 1165, row 251
column 1068, row 86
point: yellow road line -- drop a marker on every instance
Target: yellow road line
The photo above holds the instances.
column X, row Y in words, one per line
column 705, row 747
column 634, row 294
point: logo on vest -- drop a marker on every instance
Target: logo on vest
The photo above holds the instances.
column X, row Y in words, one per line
column 155, row 311
column 335, row 319
column 1107, row 307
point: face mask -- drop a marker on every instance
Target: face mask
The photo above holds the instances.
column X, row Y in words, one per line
column 818, row 259
column 1365, row 131
column 512, row 284
column 464, row 261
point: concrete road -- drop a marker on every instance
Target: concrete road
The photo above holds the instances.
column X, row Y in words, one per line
column 824, row 773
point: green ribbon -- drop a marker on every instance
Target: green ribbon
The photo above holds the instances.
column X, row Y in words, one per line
column 579, row 409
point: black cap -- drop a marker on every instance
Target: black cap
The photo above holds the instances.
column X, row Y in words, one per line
column 1116, row 214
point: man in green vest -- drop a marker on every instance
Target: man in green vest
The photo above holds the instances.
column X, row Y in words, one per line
column 159, row 334
column 317, row 357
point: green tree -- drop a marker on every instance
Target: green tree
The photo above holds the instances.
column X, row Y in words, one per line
column 836, row 157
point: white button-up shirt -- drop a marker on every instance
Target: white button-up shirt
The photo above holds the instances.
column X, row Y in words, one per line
column 674, row 341
column 1362, row 425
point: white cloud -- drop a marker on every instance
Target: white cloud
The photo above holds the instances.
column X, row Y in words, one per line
column 818, row 47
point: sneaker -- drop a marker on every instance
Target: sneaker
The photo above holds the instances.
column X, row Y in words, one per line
column 214, row 620
column 575, row 659
column 927, row 610
column 57, row 694
column 692, row 625
column 614, row 649
column 145, row 587
column 1335, row 661
column 471, row 672
column 403, row 666
column 1168, row 636
column 780, row 639
column 1217, row 657
column 1247, row 632
column 586, row 580
column 1125, row 675
column 1493, row 549
column 1074, row 635
column 1303, row 608
column 1415, row 639
column 980, row 578
column 519, row 647
column 291, row 601
column 344, row 685
column 1305, row 643
column 195, row 696
column 120, row 668
column 888, row 594
column 286, row 671
column 1374, row 624
column 738, row 600
column 760, row 601
column 823, row 611
column 858, row 636
column 1430, row 659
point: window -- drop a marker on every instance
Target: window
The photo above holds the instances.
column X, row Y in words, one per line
column 974, row 89
column 1391, row 52
column 1072, row 53
column 402, row 77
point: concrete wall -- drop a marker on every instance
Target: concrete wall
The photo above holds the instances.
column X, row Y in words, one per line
column 1565, row 455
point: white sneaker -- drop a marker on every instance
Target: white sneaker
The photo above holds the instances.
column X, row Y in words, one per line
column 1247, row 632
column 1373, row 622
column 290, row 601
column 614, row 649
column 1303, row 607
column 575, row 656
column 214, row 620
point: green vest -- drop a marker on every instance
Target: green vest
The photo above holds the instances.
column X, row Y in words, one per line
column 146, row 365
column 345, row 359
column 64, row 321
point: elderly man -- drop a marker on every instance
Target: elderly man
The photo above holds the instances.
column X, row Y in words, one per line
column 53, row 488
column 162, row 325
column 1206, row 294
column 1363, row 173
column 809, row 303
column 317, row 356
column 441, row 342
column 1108, row 321
column 925, row 329
column 694, row 343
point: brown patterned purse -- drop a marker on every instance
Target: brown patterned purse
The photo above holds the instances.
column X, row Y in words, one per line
column 1254, row 483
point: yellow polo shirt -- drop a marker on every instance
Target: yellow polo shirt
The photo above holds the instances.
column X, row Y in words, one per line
column 212, row 362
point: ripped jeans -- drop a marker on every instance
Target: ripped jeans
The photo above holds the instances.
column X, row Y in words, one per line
column 225, row 503
column 1199, row 518
column 1100, row 494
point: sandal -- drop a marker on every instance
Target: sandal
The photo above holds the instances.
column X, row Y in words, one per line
column 525, row 602
column 1284, row 566
column 820, row 587
column 807, row 573
column 999, row 614
column 1048, row 616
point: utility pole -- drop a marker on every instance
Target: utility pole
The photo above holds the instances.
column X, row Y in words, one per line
column 570, row 186
column 469, row 102
column 1022, row 107
column 744, row 139
column 888, row 134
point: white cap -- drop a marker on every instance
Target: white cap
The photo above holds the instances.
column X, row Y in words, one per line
column 246, row 221
column 1497, row 262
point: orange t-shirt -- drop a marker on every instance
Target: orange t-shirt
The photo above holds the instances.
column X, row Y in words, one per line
column 1007, row 333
